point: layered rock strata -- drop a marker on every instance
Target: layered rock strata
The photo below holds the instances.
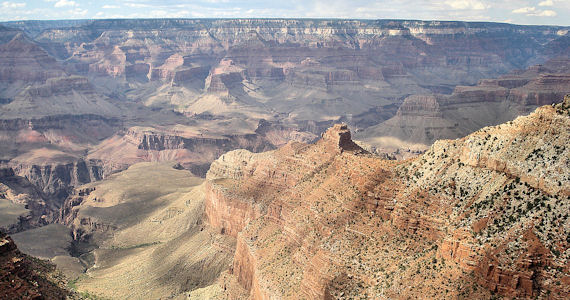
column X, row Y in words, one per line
column 423, row 119
column 469, row 218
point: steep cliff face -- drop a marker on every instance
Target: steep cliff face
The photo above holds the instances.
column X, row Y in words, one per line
column 56, row 179
column 44, row 156
column 191, row 146
column 419, row 120
column 23, row 205
column 471, row 217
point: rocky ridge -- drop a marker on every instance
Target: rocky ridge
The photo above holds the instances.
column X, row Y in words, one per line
column 24, row 277
column 192, row 146
column 471, row 217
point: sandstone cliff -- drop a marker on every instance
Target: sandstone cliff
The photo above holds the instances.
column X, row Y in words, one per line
column 471, row 217
column 193, row 147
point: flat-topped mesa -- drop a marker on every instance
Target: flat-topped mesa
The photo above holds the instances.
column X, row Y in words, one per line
column 338, row 138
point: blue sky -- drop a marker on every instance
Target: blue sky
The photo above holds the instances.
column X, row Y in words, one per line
column 552, row 12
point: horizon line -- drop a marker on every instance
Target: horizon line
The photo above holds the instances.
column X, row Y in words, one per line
column 281, row 18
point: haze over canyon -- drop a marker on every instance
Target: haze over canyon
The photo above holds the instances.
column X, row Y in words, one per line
column 284, row 158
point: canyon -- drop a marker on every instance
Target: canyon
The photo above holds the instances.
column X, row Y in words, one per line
column 119, row 147
column 471, row 217
column 477, row 217
column 423, row 119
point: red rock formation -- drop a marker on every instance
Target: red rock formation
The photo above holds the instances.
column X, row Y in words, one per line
column 327, row 220
column 227, row 213
column 22, row 277
column 175, row 70
column 193, row 150
column 420, row 105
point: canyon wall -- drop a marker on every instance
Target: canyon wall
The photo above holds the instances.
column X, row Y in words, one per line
column 423, row 119
column 82, row 100
column 469, row 218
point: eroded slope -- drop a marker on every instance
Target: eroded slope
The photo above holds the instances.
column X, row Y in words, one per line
column 141, row 234
column 471, row 217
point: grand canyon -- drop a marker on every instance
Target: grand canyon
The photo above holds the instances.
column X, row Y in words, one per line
column 284, row 159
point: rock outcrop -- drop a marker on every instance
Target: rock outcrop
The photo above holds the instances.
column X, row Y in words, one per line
column 194, row 148
column 55, row 179
column 23, row 60
column 471, row 217
column 38, row 209
column 24, row 277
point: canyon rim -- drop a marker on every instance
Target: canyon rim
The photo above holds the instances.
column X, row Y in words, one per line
column 283, row 158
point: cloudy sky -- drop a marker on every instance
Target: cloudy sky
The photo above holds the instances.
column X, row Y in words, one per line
column 553, row 12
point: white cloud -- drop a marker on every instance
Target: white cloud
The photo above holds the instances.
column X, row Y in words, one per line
column 78, row 12
column 137, row 5
column 466, row 4
column 7, row 4
column 110, row 6
column 524, row 10
column 64, row 3
column 532, row 11
column 546, row 13
column 546, row 3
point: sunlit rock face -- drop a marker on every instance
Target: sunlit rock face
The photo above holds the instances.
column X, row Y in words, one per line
column 84, row 103
column 327, row 221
